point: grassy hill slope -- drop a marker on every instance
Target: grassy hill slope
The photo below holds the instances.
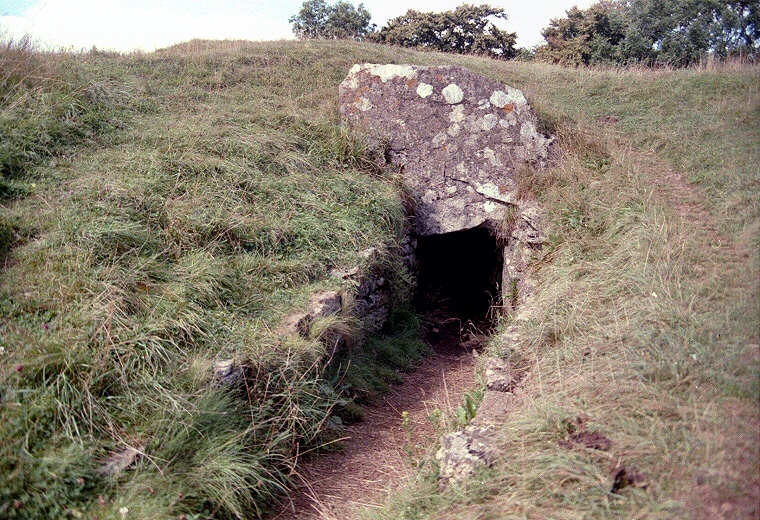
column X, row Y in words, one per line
column 644, row 329
column 162, row 212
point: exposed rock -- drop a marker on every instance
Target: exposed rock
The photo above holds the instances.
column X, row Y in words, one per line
column 321, row 304
column 373, row 302
column 325, row 303
column 503, row 377
column 625, row 477
column 297, row 324
column 409, row 252
column 372, row 296
column 119, row 461
column 457, row 137
column 475, row 341
column 495, row 407
column 528, row 229
column 499, row 375
column 527, row 236
column 344, row 274
column 228, row 372
column 462, row 453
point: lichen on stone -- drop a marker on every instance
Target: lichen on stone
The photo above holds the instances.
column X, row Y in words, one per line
column 462, row 453
column 387, row 72
column 439, row 139
column 489, row 121
column 457, row 114
column 424, row 90
column 453, row 94
column 454, row 130
column 512, row 97
column 491, row 157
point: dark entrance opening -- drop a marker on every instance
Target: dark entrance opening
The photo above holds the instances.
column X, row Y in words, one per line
column 459, row 275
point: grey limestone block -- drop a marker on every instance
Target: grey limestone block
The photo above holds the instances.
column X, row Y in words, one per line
column 459, row 138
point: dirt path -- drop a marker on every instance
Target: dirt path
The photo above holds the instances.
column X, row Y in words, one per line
column 380, row 451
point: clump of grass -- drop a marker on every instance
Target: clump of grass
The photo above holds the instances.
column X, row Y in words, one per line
column 47, row 105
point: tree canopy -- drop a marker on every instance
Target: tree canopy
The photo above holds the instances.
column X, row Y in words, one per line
column 585, row 36
column 318, row 19
column 673, row 32
column 468, row 29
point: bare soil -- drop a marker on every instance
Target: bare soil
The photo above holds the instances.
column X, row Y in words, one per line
column 380, row 452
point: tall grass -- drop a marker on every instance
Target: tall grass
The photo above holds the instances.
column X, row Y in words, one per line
column 165, row 211
column 645, row 320
column 46, row 105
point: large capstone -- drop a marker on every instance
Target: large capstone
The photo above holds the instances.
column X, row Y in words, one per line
column 458, row 137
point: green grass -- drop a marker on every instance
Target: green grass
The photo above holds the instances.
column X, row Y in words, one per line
column 48, row 105
column 369, row 371
column 643, row 321
column 137, row 259
column 161, row 212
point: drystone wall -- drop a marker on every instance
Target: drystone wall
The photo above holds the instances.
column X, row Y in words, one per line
column 458, row 137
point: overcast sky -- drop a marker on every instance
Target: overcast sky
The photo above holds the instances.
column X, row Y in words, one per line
column 125, row 25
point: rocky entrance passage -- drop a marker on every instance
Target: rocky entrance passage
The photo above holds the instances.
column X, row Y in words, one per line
column 460, row 274
column 459, row 141
column 458, row 285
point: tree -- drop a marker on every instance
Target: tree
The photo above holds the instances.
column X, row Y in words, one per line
column 672, row 32
column 740, row 27
column 584, row 37
column 468, row 29
column 681, row 32
column 317, row 19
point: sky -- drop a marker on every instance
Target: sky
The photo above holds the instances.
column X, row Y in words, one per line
column 125, row 25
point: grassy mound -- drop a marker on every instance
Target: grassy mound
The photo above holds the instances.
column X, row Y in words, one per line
column 137, row 258
column 162, row 212
column 644, row 328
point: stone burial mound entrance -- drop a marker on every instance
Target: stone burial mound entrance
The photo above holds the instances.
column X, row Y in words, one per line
column 459, row 140
column 459, row 274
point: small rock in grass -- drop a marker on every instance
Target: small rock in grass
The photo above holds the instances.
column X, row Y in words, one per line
column 462, row 453
column 499, row 375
